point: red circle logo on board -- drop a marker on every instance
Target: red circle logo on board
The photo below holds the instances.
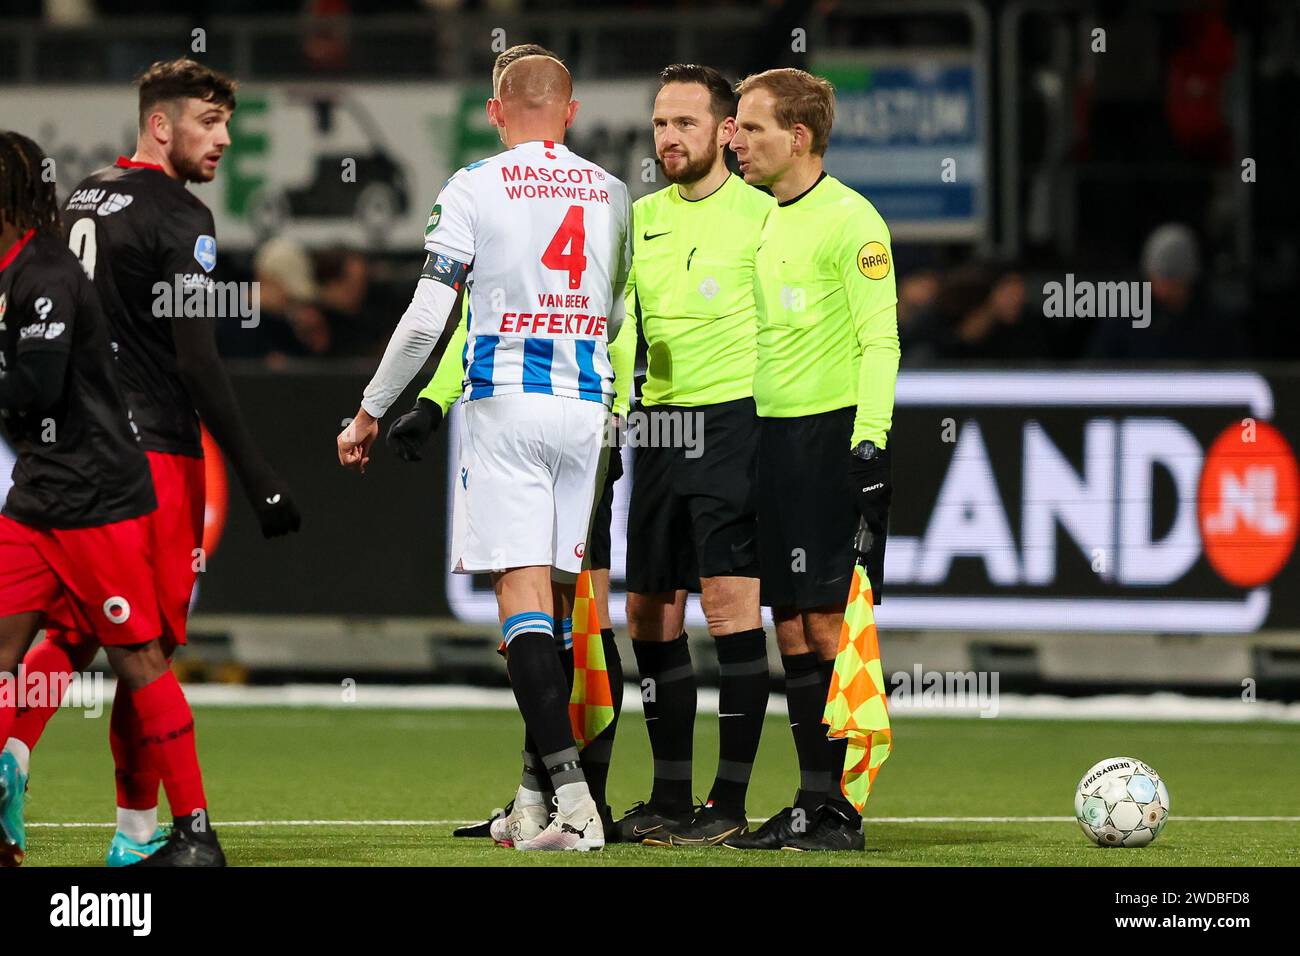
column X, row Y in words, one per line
column 216, row 494
column 1248, row 503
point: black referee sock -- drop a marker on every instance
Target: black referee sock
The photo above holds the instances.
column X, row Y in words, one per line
column 805, row 695
column 839, row 750
column 742, row 705
column 596, row 755
column 542, row 693
column 669, row 717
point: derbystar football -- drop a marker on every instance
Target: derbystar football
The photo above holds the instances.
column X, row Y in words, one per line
column 1121, row 802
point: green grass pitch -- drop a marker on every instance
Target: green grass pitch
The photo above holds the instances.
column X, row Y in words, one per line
column 301, row 764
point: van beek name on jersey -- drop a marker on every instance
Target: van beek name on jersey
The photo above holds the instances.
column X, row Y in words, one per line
column 569, row 183
column 577, row 324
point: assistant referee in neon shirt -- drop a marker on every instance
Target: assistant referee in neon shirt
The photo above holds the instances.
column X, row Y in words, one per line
column 824, row 391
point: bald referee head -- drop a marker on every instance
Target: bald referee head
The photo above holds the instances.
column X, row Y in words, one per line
column 534, row 100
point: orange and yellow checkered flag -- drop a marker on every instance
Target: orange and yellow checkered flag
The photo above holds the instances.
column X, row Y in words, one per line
column 856, row 706
column 591, row 703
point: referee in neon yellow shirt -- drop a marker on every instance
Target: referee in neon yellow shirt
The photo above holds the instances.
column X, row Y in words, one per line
column 824, row 391
column 691, row 521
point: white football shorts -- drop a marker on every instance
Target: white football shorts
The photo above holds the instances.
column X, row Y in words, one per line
column 526, row 485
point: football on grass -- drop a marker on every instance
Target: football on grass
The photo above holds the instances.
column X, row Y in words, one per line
column 1121, row 802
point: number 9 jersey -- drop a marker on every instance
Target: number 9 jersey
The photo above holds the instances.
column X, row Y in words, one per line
column 548, row 239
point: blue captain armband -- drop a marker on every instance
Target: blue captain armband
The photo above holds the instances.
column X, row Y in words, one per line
column 450, row 272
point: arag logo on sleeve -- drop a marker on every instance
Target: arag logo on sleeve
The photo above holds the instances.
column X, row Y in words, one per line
column 873, row 260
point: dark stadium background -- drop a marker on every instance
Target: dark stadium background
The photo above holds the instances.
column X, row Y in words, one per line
column 1067, row 160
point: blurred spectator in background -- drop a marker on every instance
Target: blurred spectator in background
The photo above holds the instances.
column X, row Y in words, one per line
column 920, row 327
column 343, row 283
column 1183, row 322
column 290, row 326
column 986, row 318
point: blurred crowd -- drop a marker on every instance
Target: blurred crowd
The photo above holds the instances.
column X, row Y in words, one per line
column 990, row 312
column 325, row 304
column 338, row 303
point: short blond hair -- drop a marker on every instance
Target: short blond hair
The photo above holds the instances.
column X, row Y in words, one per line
column 517, row 52
column 800, row 98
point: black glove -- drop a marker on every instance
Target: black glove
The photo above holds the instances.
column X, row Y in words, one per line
column 409, row 433
column 276, row 511
column 872, row 489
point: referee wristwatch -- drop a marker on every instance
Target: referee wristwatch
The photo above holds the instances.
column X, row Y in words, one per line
column 866, row 450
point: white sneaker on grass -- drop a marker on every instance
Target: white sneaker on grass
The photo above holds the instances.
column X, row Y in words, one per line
column 522, row 823
column 579, row 829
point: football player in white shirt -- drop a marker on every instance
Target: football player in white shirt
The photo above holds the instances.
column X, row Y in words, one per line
column 541, row 238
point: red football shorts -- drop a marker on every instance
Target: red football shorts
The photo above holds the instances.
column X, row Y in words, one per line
column 175, row 532
column 177, row 527
column 95, row 581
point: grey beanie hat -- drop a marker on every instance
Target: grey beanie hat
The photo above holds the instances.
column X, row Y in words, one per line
column 1170, row 253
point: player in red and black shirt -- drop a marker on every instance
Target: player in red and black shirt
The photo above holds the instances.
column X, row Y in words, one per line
column 77, row 546
column 134, row 225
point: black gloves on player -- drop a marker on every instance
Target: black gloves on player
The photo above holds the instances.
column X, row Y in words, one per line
column 409, row 433
column 276, row 511
column 872, row 487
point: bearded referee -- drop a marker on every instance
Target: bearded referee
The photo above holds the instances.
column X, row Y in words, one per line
column 824, row 387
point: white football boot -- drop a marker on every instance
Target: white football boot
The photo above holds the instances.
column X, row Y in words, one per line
column 580, row 829
column 521, row 824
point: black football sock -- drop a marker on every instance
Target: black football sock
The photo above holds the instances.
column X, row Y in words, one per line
column 537, row 679
column 668, row 690
column 596, row 755
column 805, row 695
column 838, row 749
column 534, row 774
column 742, row 705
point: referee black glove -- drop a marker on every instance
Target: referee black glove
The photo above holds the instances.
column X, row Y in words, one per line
column 409, row 433
column 872, row 488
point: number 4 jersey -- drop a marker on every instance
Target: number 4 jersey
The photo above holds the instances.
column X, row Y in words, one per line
column 547, row 235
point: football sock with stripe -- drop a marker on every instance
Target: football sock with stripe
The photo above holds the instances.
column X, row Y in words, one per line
column 596, row 755
column 805, row 695
column 742, row 705
column 533, row 780
column 166, row 730
column 669, row 699
column 534, row 775
column 542, row 692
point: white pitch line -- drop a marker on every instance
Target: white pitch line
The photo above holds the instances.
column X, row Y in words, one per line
column 869, row 820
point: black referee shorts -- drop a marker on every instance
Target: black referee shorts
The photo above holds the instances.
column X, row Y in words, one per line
column 598, row 541
column 807, row 520
column 693, row 517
